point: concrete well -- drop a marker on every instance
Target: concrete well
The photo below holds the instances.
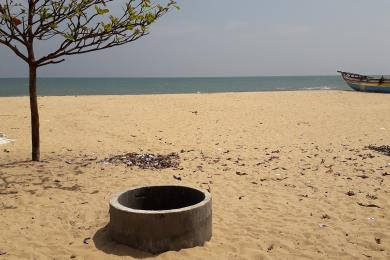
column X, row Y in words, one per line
column 161, row 218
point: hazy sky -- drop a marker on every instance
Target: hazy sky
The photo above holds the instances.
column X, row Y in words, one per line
column 243, row 38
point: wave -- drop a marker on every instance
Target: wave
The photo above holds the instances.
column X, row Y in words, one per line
column 319, row 88
column 307, row 88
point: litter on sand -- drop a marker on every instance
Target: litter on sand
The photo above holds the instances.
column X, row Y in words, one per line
column 4, row 139
column 146, row 161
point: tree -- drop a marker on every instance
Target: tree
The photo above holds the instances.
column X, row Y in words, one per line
column 77, row 27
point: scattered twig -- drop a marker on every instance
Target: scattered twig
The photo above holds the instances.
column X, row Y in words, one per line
column 177, row 177
column 280, row 179
column 85, row 241
column 368, row 205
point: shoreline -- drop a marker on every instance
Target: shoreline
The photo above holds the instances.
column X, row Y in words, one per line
column 200, row 93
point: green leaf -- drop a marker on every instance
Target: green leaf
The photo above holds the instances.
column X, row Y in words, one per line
column 114, row 19
column 101, row 11
column 107, row 27
column 69, row 37
column 150, row 17
column 53, row 26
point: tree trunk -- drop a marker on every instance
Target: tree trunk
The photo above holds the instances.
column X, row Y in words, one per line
column 34, row 112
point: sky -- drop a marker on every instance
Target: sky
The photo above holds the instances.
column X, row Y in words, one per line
column 241, row 38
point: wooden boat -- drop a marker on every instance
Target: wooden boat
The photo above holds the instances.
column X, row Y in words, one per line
column 366, row 83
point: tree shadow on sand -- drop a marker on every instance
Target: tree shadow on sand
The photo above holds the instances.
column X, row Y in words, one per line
column 16, row 163
column 104, row 243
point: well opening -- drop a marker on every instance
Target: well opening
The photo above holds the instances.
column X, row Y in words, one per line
column 157, row 198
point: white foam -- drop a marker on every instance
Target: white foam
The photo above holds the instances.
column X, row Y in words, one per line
column 318, row 88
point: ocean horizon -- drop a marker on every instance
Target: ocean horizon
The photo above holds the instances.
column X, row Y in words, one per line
column 10, row 87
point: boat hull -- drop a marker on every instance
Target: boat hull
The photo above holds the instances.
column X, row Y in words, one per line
column 369, row 87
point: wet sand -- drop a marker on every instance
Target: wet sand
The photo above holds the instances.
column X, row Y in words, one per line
column 289, row 172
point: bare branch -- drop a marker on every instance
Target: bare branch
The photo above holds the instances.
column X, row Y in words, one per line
column 51, row 62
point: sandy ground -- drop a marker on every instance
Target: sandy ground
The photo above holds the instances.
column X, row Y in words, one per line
column 288, row 171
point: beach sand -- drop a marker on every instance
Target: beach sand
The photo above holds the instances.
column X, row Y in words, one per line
column 288, row 171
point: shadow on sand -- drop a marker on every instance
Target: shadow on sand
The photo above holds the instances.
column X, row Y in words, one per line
column 104, row 243
column 16, row 163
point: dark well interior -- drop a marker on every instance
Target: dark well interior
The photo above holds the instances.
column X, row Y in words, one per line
column 161, row 198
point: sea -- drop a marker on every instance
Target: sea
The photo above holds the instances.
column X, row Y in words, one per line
column 10, row 87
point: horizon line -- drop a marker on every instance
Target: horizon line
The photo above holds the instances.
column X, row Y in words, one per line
column 169, row 77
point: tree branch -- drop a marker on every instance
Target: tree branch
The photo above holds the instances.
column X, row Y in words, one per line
column 50, row 62
column 14, row 49
column 82, row 26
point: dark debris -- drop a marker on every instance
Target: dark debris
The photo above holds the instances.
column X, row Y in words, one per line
column 85, row 241
column 368, row 205
column 146, row 161
column 384, row 149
